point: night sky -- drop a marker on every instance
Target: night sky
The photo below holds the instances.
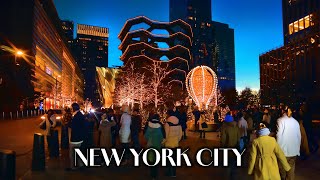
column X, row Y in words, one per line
column 257, row 25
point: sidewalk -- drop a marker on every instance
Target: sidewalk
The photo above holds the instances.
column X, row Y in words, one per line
column 55, row 167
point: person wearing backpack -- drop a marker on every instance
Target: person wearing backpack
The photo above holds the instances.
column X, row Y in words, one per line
column 154, row 135
column 173, row 136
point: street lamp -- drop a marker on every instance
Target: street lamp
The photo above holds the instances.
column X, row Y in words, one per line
column 18, row 53
column 56, row 95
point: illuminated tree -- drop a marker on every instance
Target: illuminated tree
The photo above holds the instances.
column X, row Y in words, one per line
column 160, row 72
column 220, row 97
column 132, row 88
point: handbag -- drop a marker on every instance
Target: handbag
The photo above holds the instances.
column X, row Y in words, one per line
column 204, row 125
column 43, row 126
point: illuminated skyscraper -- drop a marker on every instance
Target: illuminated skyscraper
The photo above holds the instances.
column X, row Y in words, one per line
column 91, row 50
column 68, row 28
column 47, row 68
column 213, row 42
column 290, row 74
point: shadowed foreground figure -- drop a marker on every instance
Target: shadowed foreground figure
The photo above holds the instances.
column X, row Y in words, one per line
column 264, row 154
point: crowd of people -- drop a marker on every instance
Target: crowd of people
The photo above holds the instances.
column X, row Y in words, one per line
column 274, row 137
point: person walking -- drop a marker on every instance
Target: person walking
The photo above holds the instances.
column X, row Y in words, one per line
column 173, row 136
column 289, row 140
column 105, row 132
column 243, row 127
column 154, row 134
column 65, row 129
column 136, row 128
column 230, row 133
column 196, row 113
column 124, row 132
column 183, row 119
column 91, row 127
column 78, row 127
column 266, row 118
column 48, row 123
column 230, row 138
column 202, row 124
column 264, row 154
column 307, row 124
column 304, row 147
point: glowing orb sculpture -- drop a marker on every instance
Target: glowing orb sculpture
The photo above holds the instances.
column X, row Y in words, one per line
column 202, row 85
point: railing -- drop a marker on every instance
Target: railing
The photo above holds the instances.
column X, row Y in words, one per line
column 21, row 114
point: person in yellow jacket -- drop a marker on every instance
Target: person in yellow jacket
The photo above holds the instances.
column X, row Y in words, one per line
column 265, row 155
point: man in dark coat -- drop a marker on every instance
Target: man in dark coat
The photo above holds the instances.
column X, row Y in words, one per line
column 78, row 133
column 196, row 113
column 181, row 114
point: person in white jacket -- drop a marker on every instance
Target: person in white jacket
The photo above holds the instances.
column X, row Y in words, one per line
column 125, row 132
column 243, row 126
column 49, row 122
column 289, row 140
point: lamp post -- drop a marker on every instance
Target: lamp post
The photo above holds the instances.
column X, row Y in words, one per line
column 56, row 94
column 18, row 53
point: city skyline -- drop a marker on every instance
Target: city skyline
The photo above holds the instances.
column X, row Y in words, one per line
column 257, row 25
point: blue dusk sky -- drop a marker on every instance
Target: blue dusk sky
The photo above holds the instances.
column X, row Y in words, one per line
column 257, row 25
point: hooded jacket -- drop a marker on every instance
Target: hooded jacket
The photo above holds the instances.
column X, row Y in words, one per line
column 154, row 137
column 230, row 135
column 173, row 132
column 105, row 137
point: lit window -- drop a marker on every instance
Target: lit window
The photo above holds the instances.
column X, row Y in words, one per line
column 295, row 26
column 307, row 22
column 190, row 17
column 301, row 24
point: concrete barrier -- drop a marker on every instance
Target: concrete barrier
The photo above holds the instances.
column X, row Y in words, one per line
column 38, row 154
column 7, row 164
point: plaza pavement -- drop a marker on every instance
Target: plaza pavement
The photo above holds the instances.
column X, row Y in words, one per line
column 17, row 135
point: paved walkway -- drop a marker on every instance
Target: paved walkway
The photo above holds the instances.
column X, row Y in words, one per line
column 18, row 135
column 304, row 170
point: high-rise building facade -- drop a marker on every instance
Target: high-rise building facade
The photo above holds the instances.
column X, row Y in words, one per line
column 290, row 74
column 31, row 36
column 213, row 42
column 91, row 51
column 224, row 52
column 68, row 28
column 198, row 15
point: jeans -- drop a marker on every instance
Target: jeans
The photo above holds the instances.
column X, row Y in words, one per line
column 171, row 170
column 135, row 140
column 125, row 147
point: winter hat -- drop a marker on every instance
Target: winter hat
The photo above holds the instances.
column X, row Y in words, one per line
column 228, row 118
column 263, row 130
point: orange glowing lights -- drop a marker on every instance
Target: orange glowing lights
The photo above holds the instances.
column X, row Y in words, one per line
column 202, row 85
